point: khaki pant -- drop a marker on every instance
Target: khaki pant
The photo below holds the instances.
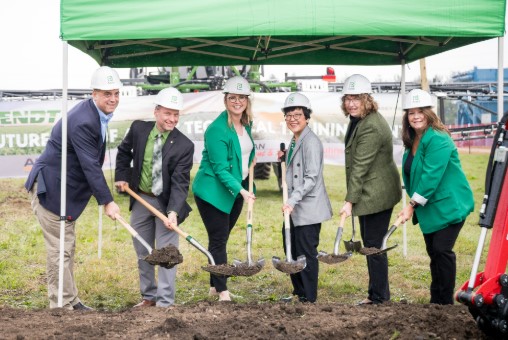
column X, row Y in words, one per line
column 50, row 224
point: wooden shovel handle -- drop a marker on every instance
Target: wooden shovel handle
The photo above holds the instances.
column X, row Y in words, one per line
column 153, row 210
column 343, row 217
column 126, row 225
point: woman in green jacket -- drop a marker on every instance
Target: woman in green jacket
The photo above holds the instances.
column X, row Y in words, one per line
column 441, row 198
column 219, row 185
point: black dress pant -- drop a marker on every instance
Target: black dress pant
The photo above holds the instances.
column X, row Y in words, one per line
column 443, row 266
column 373, row 228
column 304, row 241
column 218, row 225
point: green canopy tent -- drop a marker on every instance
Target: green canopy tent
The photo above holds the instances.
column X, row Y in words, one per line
column 134, row 33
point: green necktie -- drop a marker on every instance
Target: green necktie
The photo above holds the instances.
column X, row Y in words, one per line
column 157, row 166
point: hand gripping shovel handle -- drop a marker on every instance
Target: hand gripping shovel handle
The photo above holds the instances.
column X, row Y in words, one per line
column 134, row 233
column 343, row 217
column 174, row 227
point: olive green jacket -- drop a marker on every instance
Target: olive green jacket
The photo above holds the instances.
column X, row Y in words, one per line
column 438, row 183
column 219, row 178
column 373, row 180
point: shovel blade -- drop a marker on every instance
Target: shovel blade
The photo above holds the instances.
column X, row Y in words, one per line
column 353, row 246
column 332, row 258
column 246, row 268
column 291, row 267
column 375, row 251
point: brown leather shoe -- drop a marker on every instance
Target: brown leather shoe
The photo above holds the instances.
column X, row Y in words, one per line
column 145, row 303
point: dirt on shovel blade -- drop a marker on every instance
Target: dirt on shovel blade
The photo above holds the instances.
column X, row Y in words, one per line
column 244, row 269
column 332, row 258
column 369, row 250
column 220, row 269
column 289, row 268
column 166, row 257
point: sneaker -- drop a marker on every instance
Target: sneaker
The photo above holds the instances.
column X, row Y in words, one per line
column 82, row 307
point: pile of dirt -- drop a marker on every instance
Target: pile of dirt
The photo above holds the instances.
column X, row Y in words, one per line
column 166, row 257
column 221, row 320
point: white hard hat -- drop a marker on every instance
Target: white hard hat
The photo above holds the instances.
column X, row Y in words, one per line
column 296, row 99
column 170, row 98
column 417, row 98
column 105, row 78
column 356, row 84
column 237, row 85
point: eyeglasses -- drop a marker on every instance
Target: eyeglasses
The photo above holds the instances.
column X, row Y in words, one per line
column 234, row 99
column 352, row 99
column 295, row 116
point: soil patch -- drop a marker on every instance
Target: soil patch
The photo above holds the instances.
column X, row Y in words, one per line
column 215, row 320
column 166, row 257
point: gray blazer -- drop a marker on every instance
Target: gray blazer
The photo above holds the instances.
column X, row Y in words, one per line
column 304, row 177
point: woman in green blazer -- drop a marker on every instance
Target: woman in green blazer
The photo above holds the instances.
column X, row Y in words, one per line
column 441, row 198
column 219, row 185
column 373, row 180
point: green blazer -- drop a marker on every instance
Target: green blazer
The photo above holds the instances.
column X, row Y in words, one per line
column 438, row 183
column 373, row 180
column 219, row 178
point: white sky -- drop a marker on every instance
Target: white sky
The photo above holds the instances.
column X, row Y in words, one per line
column 31, row 54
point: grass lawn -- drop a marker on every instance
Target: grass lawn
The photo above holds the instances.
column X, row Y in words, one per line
column 111, row 282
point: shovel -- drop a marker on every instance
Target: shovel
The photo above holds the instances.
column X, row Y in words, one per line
column 167, row 257
column 220, row 270
column 335, row 257
column 249, row 267
column 289, row 266
column 352, row 245
column 375, row 251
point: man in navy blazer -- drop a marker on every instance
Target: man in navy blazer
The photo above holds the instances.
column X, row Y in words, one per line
column 135, row 164
column 86, row 147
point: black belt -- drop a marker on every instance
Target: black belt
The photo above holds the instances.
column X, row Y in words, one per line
column 147, row 193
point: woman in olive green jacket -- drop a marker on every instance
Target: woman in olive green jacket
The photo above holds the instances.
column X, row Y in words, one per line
column 441, row 197
column 373, row 180
column 219, row 185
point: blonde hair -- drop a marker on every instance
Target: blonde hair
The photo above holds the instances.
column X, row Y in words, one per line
column 367, row 101
column 246, row 114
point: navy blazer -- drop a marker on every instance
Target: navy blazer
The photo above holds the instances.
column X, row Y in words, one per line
column 85, row 156
column 177, row 161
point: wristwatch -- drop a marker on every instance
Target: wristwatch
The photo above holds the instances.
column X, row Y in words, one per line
column 413, row 203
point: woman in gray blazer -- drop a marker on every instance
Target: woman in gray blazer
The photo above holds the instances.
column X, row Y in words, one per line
column 373, row 180
column 308, row 203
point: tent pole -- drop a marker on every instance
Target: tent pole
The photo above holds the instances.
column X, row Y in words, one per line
column 403, row 99
column 63, row 184
column 500, row 78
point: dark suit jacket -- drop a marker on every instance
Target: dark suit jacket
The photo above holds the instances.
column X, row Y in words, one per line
column 177, row 156
column 85, row 156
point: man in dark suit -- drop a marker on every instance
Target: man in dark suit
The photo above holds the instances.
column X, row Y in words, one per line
column 86, row 147
column 139, row 148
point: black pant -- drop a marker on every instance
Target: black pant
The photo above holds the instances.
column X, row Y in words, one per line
column 442, row 263
column 218, row 225
column 304, row 241
column 373, row 228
